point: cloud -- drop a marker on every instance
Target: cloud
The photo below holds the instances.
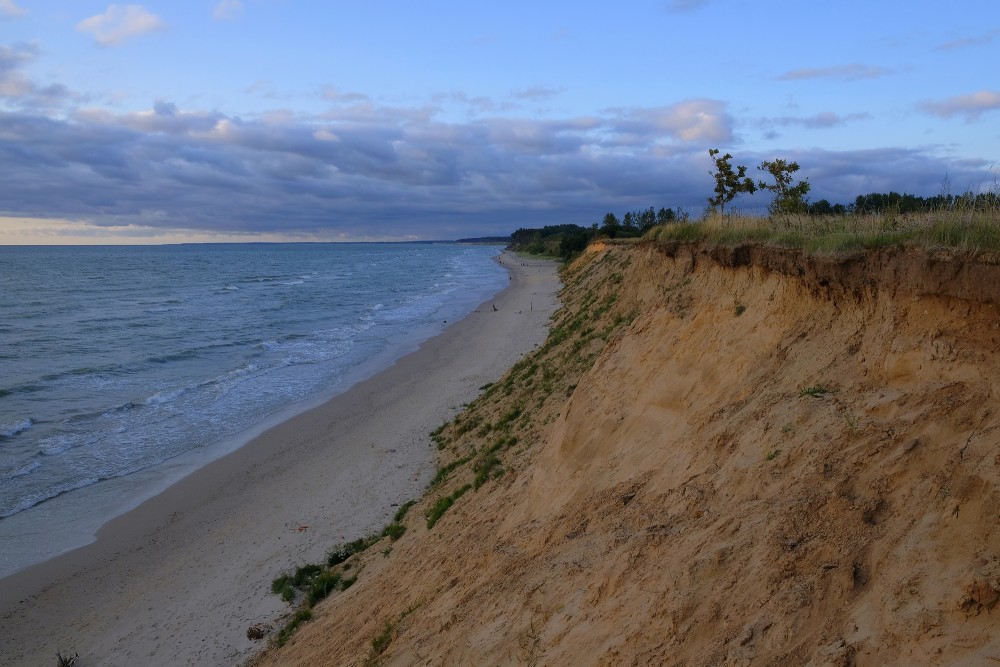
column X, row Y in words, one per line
column 120, row 22
column 822, row 120
column 965, row 42
column 17, row 90
column 10, row 8
column 227, row 10
column 971, row 106
column 537, row 93
column 699, row 121
column 684, row 5
column 850, row 72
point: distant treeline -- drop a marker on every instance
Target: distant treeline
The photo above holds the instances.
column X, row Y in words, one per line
column 568, row 240
column 893, row 202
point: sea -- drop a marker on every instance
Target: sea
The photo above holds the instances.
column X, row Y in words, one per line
column 123, row 368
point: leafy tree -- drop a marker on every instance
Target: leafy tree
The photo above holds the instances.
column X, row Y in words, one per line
column 789, row 197
column 629, row 222
column 665, row 216
column 728, row 183
column 610, row 227
column 824, row 207
column 647, row 220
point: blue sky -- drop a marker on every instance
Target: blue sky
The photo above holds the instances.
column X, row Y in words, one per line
column 281, row 119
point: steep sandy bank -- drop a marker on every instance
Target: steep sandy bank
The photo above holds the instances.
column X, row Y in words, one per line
column 179, row 580
column 723, row 457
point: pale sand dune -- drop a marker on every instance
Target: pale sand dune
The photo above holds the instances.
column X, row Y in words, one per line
column 179, row 579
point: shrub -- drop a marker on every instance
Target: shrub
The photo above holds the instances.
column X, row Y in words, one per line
column 394, row 531
column 322, row 586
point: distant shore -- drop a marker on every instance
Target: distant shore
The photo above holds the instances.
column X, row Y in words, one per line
column 179, row 579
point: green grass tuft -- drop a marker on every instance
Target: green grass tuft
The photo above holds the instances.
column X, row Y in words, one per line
column 443, row 504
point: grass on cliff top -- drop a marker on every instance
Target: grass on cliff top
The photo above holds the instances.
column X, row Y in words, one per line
column 973, row 230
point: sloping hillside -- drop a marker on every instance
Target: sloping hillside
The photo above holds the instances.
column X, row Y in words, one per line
column 722, row 456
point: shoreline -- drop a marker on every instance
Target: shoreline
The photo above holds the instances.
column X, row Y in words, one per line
column 178, row 579
column 55, row 526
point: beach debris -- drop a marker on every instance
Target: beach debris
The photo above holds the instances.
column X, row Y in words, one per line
column 66, row 660
column 259, row 631
column 302, row 529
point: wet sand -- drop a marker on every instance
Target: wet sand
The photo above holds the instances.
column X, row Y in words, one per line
column 179, row 579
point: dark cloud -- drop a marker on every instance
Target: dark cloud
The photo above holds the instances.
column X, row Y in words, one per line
column 17, row 90
column 851, row 72
column 366, row 170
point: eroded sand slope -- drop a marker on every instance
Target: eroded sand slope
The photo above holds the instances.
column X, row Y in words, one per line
column 723, row 457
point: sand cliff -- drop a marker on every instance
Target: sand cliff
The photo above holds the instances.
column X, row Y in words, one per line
column 721, row 456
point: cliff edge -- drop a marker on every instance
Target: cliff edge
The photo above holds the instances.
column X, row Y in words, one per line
column 721, row 456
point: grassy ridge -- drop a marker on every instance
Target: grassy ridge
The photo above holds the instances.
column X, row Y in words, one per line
column 975, row 230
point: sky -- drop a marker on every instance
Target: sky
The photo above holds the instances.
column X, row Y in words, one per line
column 270, row 120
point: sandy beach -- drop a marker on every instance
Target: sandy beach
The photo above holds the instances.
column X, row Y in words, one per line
column 178, row 580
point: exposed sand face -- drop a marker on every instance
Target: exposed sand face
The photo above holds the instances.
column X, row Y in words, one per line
column 180, row 579
column 780, row 460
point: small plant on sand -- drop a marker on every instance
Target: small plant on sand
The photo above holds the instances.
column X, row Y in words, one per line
column 442, row 505
column 773, row 454
column 816, row 391
column 282, row 586
column 66, row 660
column 852, row 422
column 403, row 509
column 380, row 643
column 739, row 309
column 342, row 552
column 394, row 531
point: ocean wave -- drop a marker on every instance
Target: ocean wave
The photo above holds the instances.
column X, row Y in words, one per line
column 26, row 469
column 175, row 356
column 162, row 397
column 36, row 499
column 16, row 428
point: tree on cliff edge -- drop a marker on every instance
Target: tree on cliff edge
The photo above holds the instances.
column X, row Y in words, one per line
column 788, row 198
column 728, row 182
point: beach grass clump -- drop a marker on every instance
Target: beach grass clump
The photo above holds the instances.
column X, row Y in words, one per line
column 322, row 586
column 283, row 586
column 402, row 511
column 437, row 436
column 484, row 467
column 380, row 643
column 442, row 505
column 815, row 391
column 342, row 552
column 286, row 584
column 394, row 531
column 445, row 470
